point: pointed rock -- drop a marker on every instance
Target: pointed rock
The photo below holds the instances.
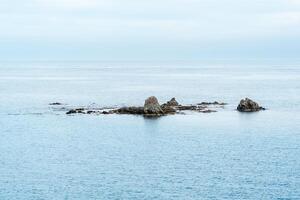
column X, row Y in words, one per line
column 152, row 107
column 172, row 102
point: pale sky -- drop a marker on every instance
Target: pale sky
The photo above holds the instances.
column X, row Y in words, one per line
column 149, row 30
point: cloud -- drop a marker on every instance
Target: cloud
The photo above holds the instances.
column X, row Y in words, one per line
column 285, row 18
column 192, row 23
column 70, row 4
column 294, row 1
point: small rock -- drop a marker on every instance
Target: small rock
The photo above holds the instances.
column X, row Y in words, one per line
column 74, row 111
column 172, row 102
column 207, row 111
column 55, row 104
column 212, row 103
column 248, row 105
column 187, row 107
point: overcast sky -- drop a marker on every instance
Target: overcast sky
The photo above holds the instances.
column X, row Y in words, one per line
column 149, row 30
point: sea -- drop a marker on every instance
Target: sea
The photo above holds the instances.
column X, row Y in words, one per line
column 46, row 154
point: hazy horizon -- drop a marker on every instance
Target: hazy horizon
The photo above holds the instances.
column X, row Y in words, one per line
column 141, row 30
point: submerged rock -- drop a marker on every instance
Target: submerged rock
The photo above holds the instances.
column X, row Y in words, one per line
column 187, row 107
column 76, row 111
column 55, row 104
column 152, row 107
column 248, row 105
column 211, row 103
column 207, row 111
column 91, row 112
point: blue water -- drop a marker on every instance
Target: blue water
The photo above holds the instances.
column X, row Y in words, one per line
column 45, row 154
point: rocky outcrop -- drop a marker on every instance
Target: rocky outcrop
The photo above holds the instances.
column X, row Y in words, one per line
column 129, row 110
column 248, row 105
column 170, row 107
column 152, row 107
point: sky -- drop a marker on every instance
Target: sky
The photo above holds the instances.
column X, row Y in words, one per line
column 149, row 30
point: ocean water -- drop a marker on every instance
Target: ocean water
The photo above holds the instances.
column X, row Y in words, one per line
column 45, row 154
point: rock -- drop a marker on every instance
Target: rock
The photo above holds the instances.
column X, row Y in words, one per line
column 172, row 102
column 247, row 105
column 212, row 103
column 129, row 110
column 207, row 111
column 152, row 107
column 55, row 104
column 75, row 111
column 187, row 107
column 168, row 109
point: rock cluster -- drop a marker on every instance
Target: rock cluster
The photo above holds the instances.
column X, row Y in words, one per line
column 248, row 105
column 151, row 108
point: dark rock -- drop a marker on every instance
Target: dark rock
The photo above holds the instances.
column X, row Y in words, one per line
column 129, row 110
column 75, row 111
column 168, row 109
column 55, row 104
column 172, row 102
column 212, row 103
column 207, row 111
column 247, row 105
column 187, row 107
column 152, row 107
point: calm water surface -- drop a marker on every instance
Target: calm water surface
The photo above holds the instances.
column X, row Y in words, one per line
column 45, row 154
